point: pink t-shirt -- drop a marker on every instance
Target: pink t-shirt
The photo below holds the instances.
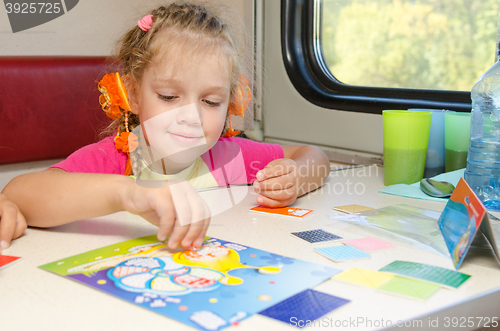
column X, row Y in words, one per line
column 230, row 161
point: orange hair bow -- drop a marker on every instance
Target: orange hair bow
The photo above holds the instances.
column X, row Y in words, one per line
column 114, row 100
column 114, row 95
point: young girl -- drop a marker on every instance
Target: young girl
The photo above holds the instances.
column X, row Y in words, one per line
column 182, row 79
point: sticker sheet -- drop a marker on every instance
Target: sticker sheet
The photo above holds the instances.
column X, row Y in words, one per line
column 317, row 236
column 364, row 277
column 342, row 253
column 369, row 244
column 304, row 307
column 214, row 287
column 409, row 288
column 429, row 273
column 381, row 281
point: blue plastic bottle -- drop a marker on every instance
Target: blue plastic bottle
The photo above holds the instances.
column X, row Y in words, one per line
column 483, row 162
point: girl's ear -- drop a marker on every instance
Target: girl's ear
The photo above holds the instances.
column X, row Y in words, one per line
column 132, row 90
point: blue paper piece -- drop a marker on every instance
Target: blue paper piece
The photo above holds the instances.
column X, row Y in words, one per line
column 303, row 308
column 342, row 253
column 414, row 191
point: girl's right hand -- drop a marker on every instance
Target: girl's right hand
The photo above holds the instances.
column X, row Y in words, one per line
column 176, row 208
column 12, row 222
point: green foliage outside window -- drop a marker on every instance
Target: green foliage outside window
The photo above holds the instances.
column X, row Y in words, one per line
column 423, row 44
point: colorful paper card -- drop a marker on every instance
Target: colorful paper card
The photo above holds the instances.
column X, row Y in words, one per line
column 342, row 253
column 351, row 209
column 369, row 244
column 318, row 236
column 214, row 287
column 364, row 277
column 463, row 216
column 409, row 287
column 303, row 308
column 282, row 211
column 7, row 260
column 429, row 273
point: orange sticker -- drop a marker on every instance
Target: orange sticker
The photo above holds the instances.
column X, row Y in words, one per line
column 283, row 211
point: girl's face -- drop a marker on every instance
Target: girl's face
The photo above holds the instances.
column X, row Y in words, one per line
column 182, row 107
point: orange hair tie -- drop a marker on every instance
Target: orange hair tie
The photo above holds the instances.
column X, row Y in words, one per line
column 239, row 104
column 126, row 142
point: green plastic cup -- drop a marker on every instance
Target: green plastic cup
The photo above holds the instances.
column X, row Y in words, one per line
column 456, row 140
column 406, row 135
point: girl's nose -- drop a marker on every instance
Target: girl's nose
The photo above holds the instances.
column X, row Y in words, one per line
column 189, row 115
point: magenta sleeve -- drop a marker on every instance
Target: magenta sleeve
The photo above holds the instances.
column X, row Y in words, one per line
column 256, row 155
column 101, row 157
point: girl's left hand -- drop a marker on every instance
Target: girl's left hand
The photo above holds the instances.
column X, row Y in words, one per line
column 278, row 184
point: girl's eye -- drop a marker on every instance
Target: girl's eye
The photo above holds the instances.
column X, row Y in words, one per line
column 211, row 103
column 166, row 97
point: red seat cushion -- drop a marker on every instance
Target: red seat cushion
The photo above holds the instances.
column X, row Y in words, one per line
column 49, row 106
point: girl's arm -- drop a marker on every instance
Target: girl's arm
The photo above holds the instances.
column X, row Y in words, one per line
column 304, row 168
column 54, row 197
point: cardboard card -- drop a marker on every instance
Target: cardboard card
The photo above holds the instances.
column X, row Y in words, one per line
column 485, row 228
column 7, row 261
column 462, row 217
column 283, row 211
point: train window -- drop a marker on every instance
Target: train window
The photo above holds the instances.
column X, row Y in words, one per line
column 420, row 44
column 370, row 55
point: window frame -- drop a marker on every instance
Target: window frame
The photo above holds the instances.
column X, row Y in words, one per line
column 309, row 74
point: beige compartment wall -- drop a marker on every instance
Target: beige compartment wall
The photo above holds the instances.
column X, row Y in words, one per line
column 289, row 118
column 91, row 28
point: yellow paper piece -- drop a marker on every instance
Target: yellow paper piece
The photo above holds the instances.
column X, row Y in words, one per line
column 365, row 277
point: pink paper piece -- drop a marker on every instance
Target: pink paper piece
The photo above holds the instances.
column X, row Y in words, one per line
column 369, row 244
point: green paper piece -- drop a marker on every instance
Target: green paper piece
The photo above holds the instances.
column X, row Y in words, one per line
column 429, row 273
column 409, row 287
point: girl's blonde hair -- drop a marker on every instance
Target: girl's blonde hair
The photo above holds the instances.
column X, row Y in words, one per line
column 193, row 28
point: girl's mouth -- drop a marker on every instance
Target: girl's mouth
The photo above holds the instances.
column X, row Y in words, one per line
column 185, row 137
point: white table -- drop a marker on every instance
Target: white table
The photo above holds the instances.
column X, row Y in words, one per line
column 34, row 299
